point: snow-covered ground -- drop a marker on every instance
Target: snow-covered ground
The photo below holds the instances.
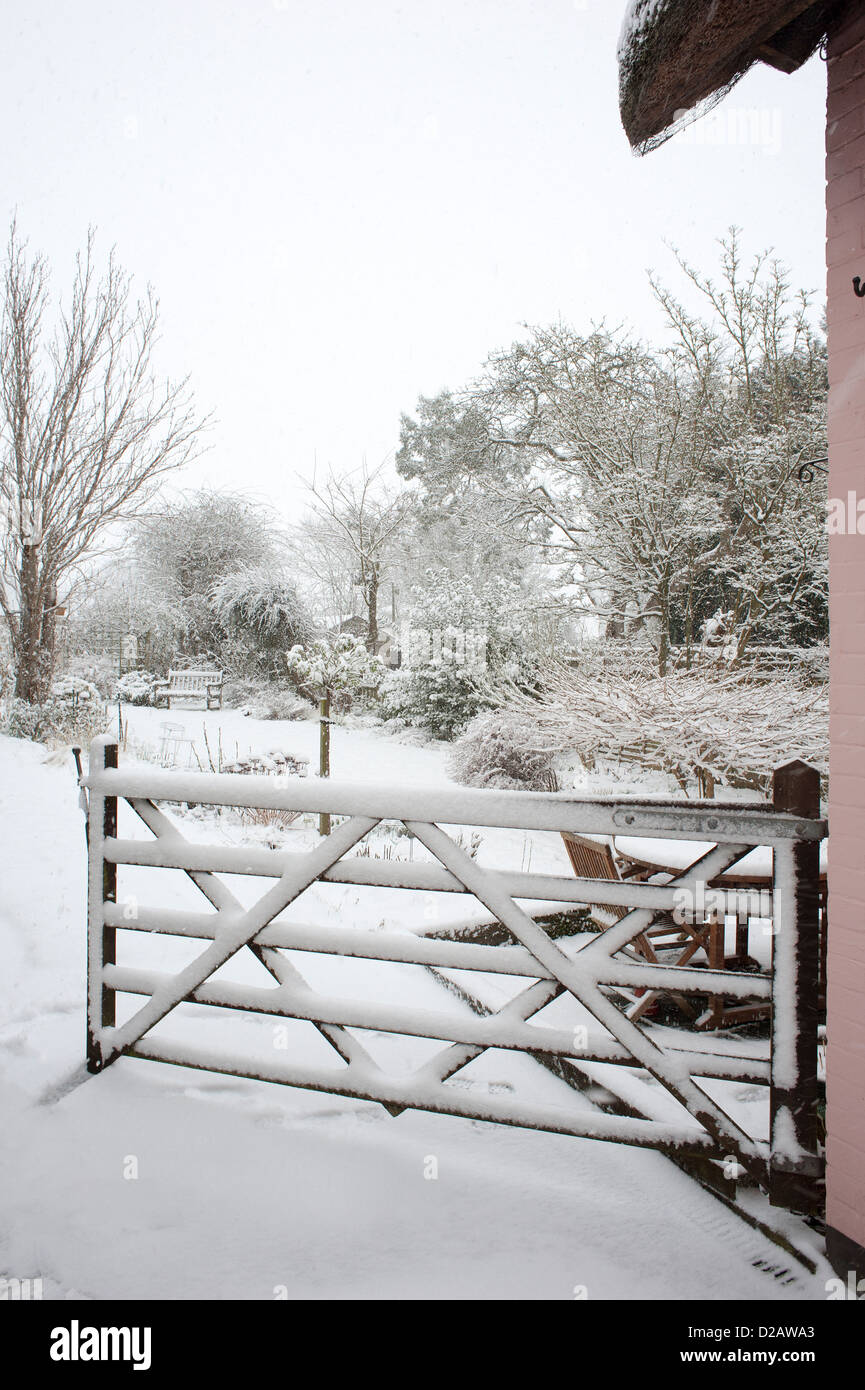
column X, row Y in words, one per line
column 160, row 1182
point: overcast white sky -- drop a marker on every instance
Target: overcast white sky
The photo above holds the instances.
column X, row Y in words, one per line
column 344, row 203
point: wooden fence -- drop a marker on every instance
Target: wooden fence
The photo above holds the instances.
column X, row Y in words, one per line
column 588, row 968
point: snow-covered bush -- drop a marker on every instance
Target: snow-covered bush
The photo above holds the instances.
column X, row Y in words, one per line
column 135, row 688
column 75, row 692
column 55, row 721
column 463, row 643
column 704, row 727
column 503, row 748
column 341, row 667
column 23, row 720
column 264, row 612
column 276, row 703
column 98, row 668
column 439, row 696
column 276, row 762
column 263, row 699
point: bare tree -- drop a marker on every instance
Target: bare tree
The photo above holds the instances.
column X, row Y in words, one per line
column 617, row 456
column 760, row 369
column 357, row 519
column 86, row 433
column 670, row 482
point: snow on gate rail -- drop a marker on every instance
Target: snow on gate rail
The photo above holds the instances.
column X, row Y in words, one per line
column 787, row 1165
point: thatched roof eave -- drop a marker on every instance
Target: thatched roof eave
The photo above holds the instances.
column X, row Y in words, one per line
column 676, row 55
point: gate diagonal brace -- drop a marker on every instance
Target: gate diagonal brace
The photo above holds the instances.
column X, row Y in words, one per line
column 638, row 920
column 703, row 870
column 348, row 1047
column 238, row 931
column 580, row 978
column 520, row 1009
column 533, row 999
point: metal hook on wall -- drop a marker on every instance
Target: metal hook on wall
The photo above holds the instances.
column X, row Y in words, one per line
column 806, row 471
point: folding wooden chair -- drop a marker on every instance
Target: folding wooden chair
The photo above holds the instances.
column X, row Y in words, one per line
column 592, row 856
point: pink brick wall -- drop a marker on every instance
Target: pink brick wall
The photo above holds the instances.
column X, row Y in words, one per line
column 845, row 255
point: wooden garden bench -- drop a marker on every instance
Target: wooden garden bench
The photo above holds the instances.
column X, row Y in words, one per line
column 192, row 685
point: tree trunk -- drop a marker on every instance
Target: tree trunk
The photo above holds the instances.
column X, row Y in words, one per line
column 689, row 629
column 663, row 629
column 37, row 630
column 663, row 650
column 372, row 610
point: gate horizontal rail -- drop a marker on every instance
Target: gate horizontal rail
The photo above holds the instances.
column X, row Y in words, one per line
column 589, row 971
column 457, row 955
column 267, row 863
column 724, row 822
column 428, row 1096
column 423, row 1023
column 486, row 958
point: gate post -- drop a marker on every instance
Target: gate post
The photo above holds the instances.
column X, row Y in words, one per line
column 101, row 888
column 794, row 1166
column 324, row 753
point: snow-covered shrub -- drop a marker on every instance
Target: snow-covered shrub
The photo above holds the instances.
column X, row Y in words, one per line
column 274, row 703
column 703, row 726
column 260, row 601
column 503, row 748
column 23, row 720
column 98, row 668
column 75, row 692
column 463, row 642
column 135, row 688
column 439, row 696
column 276, row 762
column 55, row 721
column 237, row 693
column 263, row 611
column 341, row 667
column 263, row 699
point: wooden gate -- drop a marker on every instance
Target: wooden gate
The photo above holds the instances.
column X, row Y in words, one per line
column 589, row 970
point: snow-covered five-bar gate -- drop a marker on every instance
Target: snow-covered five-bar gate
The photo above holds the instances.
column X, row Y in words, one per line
column 586, row 968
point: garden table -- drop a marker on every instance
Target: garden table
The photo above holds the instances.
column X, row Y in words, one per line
column 644, row 855
column 754, row 869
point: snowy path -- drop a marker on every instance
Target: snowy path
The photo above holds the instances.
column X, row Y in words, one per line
column 244, row 1190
